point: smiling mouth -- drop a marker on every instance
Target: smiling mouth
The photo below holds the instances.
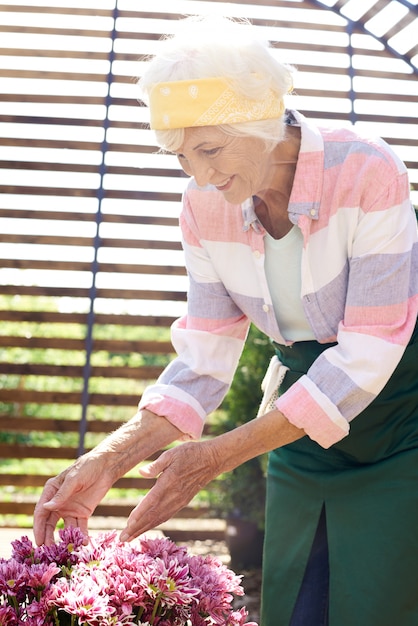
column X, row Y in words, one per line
column 225, row 185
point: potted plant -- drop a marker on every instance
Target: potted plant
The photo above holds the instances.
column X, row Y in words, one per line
column 239, row 495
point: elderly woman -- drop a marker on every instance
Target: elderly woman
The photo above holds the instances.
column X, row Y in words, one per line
column 308, row 233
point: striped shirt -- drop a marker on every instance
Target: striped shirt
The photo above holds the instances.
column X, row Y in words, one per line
column 351, row 201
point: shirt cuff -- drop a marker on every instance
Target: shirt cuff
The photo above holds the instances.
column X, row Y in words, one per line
column 181, row 415
column 306, row 407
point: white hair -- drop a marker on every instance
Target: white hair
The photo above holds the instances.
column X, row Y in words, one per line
column 211, row 46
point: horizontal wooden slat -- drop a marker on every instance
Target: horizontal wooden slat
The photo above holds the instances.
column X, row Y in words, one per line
column 177, row 173
column 27, row 214
column 21, row 424
column 56, row 343
column 124, row 294
column 12, row 451
column 56, row 10
column 53, row 317
column 90, row 193
column 78, row 266
column 397, row 142
column 320, row 91
column 66, row 343
column 27, row 424
column 61, row 266
column 73, row 216
column 60, row 75
column 125, row 171
column 69, row 144
column 117, row 508
column 40, row 369
column 64, row 32
column 43, row 53
column 145, row 372
column 121, row 509
column 24, row 396
column 324, row 93
column 110, row 169
column 133, row 56
column 34, row 480
column 88, row 242
column 35, row 166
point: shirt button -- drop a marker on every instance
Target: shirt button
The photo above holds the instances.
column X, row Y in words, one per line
column 266, row 308
column 312, row 212
column 257, row 254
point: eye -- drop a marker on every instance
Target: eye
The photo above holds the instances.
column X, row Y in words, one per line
column 212, row 151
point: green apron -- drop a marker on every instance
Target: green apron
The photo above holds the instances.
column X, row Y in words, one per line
column 369, row 484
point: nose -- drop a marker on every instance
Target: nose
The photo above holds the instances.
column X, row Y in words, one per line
column 202, row 172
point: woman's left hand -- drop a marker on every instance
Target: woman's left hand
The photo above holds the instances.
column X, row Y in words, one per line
column 182, row 471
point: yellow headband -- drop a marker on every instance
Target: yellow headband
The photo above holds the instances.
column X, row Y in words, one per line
column 206, row 102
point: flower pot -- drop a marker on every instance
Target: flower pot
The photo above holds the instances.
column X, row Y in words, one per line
column 245, row 543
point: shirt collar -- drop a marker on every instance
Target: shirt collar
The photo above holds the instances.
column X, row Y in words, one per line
column 305, row 197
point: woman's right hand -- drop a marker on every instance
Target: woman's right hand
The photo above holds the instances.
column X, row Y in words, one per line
column 72, row 496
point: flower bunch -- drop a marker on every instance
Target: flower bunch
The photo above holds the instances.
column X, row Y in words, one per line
column 150, row 582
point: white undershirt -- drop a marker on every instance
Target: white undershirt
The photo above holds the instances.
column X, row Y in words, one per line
column 283, row 267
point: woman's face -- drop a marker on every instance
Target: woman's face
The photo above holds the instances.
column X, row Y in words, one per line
column 237, row 166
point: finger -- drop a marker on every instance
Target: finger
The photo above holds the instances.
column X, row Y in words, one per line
column 70, row 521
column 83, row 526
column 150, row 512
column 149, row 471
column 78, row 522
column 145, row 516
column 138, row 524
column 155, row 468
column 140, row 521
column 175, row 487
column 49, row 529
column 41, row 516
column 39, row 521
column 63, row 492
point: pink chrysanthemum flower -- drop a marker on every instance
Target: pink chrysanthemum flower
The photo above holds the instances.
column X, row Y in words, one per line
column 238, row 618
column 170, row 582
column 13, row 576
column 8, row 616
column 40, row 575
column 99, row 550
column 82, row 598
column 39, row 612
column 217, row 586
column 162, row 547
column 65, row 552
column 23, row 550
column 127, row 592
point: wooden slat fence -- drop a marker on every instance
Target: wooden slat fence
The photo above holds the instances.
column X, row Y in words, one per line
column 91, row 267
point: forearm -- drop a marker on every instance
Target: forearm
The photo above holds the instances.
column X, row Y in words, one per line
column 253, row 438
column 144, row 434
